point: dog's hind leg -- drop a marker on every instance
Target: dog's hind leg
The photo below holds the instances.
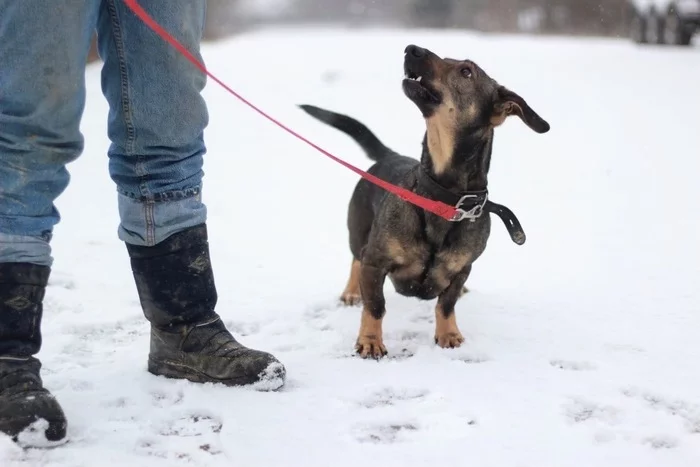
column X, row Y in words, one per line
column 447, row 334
column 360, row 217
column 351, row 295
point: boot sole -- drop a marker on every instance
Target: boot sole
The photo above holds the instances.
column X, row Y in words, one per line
column 173, row 370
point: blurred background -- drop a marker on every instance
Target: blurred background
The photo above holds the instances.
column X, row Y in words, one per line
column 604, row 17
column 650, row 22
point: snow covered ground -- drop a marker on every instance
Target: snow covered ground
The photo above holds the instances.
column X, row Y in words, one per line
column 581, row 347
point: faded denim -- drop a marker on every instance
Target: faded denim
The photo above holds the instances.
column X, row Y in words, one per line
column 156, row 119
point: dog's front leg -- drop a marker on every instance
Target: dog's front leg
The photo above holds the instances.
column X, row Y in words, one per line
column 369, row 341
column 447, row 334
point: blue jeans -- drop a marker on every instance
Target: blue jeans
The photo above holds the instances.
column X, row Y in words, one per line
column 156, row 119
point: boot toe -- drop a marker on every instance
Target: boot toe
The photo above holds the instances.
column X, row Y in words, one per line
column 272, row 375
column 22, row 410
column 251, row 367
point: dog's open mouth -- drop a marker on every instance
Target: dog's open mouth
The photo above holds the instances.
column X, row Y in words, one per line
column 417, row 86
column 412, row 76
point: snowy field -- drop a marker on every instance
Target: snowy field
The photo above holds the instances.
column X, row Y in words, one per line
column 582, row 345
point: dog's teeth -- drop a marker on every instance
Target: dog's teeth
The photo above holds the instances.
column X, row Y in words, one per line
column 419, row 78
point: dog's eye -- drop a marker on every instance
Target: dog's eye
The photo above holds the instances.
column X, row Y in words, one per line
column 467, row 72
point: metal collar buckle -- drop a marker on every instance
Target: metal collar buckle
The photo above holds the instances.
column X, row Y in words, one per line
column 473, row 214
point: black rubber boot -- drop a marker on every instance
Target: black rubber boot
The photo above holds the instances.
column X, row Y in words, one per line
column 23, row 398
column 175, row 282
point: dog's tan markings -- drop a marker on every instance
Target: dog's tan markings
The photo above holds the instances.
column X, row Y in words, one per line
column 441, row 139
column 498, row 118
column 369, row 340
column 447, row 334
column 448, row 265
column 351, row 295
column 503, row 111
column 441, row 278
column 408, row 271
column 407, row 260
column 441, row 128
column 454, row 261
column 470, row 113
column 403, row 254
column 396, row 251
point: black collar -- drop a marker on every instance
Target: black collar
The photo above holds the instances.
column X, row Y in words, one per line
column 471, row 204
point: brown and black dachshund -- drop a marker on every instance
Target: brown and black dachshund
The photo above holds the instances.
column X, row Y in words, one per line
column 424, row 255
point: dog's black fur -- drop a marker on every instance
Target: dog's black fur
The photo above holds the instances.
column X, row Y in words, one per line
column 424, row 255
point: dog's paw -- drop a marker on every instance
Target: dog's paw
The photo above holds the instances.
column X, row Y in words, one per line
column 449, row 340
column 351, row 299
column 370, row 347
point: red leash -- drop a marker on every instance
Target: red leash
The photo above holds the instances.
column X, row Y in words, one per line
column 436, row 207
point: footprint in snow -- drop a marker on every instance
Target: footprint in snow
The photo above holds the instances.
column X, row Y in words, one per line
column 80, row 385
column 572, row 365
column 580, row 411
column 116, row 403
column 167, row 398
column 192, row 426
column 393, row 355
column 423, row 319
column 98, row 339
column 384, row 434
column 398, row 355
column 323, row 308
column 471, row 358
column 317, row 316
column 661, row 442
column 688, row 412
column 119, row 332
column 583, row 411
column 414, row 337
column 391, row 396
column 190, row 439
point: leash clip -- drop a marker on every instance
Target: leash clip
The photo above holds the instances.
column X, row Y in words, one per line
column 473, row 214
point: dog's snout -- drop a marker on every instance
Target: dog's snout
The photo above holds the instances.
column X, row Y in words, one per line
column 415, row 51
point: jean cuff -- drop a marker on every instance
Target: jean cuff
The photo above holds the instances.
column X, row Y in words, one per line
column 25, row 249
column 147, row 222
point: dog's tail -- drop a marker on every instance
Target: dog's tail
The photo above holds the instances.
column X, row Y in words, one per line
column 374, row 148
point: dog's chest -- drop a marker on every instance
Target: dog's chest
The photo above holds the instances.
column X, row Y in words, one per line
column 421, row 272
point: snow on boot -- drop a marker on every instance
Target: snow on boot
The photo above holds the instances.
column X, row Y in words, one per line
column 23, row 398
column 175, row 282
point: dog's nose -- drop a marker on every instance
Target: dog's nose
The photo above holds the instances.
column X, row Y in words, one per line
column 414, row 51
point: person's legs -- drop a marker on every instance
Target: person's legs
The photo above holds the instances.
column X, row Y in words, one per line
column 156, row 124
column 156, row 119
column 43, row 52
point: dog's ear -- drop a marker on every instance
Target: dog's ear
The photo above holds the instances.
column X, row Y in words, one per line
column 509, row 103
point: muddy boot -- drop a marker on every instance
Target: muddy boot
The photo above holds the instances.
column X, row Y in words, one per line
column 23, row 398
column 176, row 287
